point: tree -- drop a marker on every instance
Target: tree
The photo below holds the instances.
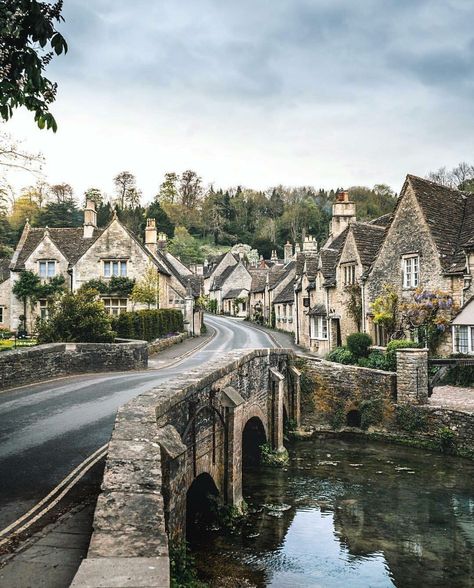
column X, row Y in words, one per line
column 59, row 214
column 79, row 317
column 190, row 189
column 62, row 192
column 147, row 290
column 186, row 247
column 94, row 195
column 168, row 189
column 29, row 42
column 23, row 208
column 386, row 310
column 162, row 220
column 125, row 183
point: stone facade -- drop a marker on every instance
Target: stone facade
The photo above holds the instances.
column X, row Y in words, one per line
column 412, row 370
column 20, row 366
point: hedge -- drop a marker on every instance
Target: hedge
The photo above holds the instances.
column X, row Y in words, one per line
column 148, row 324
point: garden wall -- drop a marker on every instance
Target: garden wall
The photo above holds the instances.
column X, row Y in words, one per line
column 42, row 362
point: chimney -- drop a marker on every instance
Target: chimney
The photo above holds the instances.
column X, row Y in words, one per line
column 274, row 256
column 162, row 242
column 288, row 248
column 310, row 244
column 343, row 213
column 150, row 235
column 90, row 219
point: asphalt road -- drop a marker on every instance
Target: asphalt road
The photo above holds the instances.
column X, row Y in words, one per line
column 47, row 429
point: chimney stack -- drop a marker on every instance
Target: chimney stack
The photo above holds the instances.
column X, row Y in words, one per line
column 343, row 213
column 274, row 256
column 288, row 252
column 162, row 242
column 310, row 244
column 90, row 219
column 150, row 235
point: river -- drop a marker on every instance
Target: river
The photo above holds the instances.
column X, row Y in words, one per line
column 349, row 514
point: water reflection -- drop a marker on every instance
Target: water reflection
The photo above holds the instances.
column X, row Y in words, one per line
column 350, row 514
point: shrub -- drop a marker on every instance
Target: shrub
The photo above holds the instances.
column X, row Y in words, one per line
column 391, row 355
column 376, row 361
column 358, row 344
column 446, row 440
column 341, row 355
column 372, row 412
column 148, row 324
column 410, row 418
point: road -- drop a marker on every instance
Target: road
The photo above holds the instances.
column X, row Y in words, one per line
column 47, row 429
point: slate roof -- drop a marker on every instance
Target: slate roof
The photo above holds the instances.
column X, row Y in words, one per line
column 449, row 215
column 318, row 310
column 368, row 239
column 259, row 279
column 382, row 221
column 69, row 241
column 219, row 280
column 287, row 294
column 275, row 275
column 4, row 269
column 234, row 293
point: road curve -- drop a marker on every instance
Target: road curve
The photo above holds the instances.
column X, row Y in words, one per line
column 47, row 429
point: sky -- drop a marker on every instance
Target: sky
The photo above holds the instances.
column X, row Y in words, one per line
column 330, row 93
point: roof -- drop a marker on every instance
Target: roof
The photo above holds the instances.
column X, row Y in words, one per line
column 69, row 241
column 4, row 269
column 381, row 221
column 318, row 310
column 368, row 239
column 220, row 279
column 449, row 215
column 259, row 279
column 235, row 293
column 287, row 294
column 275, row 275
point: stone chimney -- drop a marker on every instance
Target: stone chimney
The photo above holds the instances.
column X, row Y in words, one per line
column 90, row 219
column 162, row 242
column 151, row 235
column 274, row 256
column 343, row 213
column 310, row 244
column 288, row 248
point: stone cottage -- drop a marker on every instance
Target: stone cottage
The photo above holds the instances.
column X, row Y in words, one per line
column 90, row 252
column 428, row 244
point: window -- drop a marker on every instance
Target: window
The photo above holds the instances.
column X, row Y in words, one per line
column 411, row 271
column 461, row 339
column 319, row 327
column 115, row 269
column 47, row 269
column 43, row 308
column 115, row 305
column 1, row 314
column 349, row 274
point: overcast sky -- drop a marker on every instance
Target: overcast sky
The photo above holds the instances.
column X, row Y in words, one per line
column 260, row 92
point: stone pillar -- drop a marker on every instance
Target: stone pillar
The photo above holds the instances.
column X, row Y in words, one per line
column 277, row 384
column 412, row 376
column 296, row 396
column 189, row 314
column 234, row 404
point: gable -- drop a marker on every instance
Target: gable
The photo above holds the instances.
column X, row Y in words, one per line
column 45, row 249
column 349, row 253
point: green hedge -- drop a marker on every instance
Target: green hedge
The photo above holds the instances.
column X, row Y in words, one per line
column 148, row 324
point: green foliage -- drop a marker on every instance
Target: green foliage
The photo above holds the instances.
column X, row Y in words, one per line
column 29, row 41
column 358, row 344
column 341, row 355
column 376, row 361
column 447, row 440
column 212, row 306
column 371, row 412
column 148, row 324
column 186, row 247
column 116, row 286
column 354, row 303
column 460, row 375
column 96, row 284
column 182, row 567
column 410, row 418
column 147, row 290
column 79, row 317
column 386, row 309
column 59, row 214
column 272, row 457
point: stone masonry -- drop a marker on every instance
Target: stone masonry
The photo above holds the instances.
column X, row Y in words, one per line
column 412, row 376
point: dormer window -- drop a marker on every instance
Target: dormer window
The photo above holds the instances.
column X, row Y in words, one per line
column 115, row 269
column 47, row 269
column 349, row 274
column 411, row 271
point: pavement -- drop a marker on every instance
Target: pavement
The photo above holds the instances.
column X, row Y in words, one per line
column 49, row 429
column 453, row 398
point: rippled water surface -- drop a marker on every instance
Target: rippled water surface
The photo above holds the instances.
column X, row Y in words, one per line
column 350, row 514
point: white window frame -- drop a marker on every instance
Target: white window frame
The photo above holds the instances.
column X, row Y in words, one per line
column 43, row 309
column 115, row 305
column 349, row 274
column 470, row 338
column 114, row 268
column 49, row 266
column 319, row 327
column 411, row 271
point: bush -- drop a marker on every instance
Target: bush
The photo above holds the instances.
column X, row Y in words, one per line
column 358, row 344
column 148, row 324
column 410, row 418
column 391, row 355
column 341, row 355
column 376, row 361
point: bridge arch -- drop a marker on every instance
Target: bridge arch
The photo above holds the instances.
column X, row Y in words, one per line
column 253, row 437
column 201, row 503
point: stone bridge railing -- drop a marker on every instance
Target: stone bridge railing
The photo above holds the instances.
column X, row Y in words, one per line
column 163, row 440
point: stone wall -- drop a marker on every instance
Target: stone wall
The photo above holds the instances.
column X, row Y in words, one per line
column 162, row 344
column 23, row 366
column 333, row 390
column 412, row 372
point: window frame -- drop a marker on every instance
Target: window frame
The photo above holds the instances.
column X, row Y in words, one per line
column 47, row 263
column 469, row 339
column 411, row 271
column 121, row 265
column 319, row 327
column 349, row 271
column 110, row 308
column 2, row 312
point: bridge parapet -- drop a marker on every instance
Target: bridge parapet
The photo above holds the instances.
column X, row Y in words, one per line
column 167, row 437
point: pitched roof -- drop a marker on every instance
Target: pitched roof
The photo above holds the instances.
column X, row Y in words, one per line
column 287, row 294
column 259, row 279
column 220, row 279
column 233, row 293
column 382, row 221
column 4, row 269
column 275, row 275
column 368, row 240
column 449, row 216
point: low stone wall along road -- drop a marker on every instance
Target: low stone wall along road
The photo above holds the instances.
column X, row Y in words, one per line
column 48, row 429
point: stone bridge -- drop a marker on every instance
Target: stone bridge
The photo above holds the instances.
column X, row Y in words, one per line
column 175, row 443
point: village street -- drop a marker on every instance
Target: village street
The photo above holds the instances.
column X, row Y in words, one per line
column 47, row 429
